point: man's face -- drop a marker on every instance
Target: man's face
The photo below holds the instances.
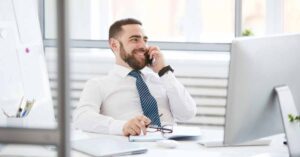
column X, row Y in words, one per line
column 133, row 58
column 133, row 46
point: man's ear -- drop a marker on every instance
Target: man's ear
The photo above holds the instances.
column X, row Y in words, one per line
column 114, row 44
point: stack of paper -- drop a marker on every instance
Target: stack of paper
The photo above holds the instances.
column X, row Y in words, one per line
column 179, row 133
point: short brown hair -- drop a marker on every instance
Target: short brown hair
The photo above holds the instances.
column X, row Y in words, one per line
column 116, row 27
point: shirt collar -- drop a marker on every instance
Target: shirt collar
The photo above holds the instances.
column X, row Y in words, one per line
column 121, row 70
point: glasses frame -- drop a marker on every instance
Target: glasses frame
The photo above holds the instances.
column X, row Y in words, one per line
column 163, row 129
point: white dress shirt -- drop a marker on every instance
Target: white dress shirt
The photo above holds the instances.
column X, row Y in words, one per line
column 108, row 102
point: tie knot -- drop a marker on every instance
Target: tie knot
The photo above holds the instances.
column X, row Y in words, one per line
column 135, row 73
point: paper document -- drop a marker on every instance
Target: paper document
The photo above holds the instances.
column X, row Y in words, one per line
column 99, row 147
column 179, row 133
column 149, row 137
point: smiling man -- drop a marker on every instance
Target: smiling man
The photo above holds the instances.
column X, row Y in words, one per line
column 129, row 99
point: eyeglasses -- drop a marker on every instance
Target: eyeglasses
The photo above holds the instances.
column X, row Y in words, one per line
column 163, row 129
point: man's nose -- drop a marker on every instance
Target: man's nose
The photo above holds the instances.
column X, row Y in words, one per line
column 144, row 45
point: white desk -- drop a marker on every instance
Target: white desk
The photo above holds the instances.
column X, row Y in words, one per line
column 191, row 148
column 185, row 148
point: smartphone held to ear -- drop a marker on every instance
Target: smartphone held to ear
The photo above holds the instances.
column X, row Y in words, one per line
column 148, row 60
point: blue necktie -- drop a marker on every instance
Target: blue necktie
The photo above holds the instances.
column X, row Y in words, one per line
column 148, row 102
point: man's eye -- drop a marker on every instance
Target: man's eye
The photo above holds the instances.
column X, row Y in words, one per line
column 134, row 39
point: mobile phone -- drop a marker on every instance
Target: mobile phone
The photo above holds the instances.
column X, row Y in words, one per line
column 148, row 60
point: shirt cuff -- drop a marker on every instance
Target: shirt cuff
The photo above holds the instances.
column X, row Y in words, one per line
column 116, row 127
column 168, row 79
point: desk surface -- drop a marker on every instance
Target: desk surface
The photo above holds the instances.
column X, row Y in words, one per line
column 185, row 148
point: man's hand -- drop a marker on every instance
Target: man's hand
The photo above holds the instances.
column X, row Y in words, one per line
column 158, row 59
column 136, row 125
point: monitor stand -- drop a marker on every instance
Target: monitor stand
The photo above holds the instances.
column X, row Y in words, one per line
column 291, row 129
column 260, row 142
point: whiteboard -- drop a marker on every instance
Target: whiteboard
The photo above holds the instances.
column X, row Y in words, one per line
column 23, row 71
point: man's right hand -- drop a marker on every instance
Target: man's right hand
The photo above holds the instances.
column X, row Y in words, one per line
column 136, row 126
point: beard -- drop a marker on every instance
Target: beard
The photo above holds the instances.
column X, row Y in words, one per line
column 131, row 59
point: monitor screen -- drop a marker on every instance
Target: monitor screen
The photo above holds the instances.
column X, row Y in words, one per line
column 257, row 65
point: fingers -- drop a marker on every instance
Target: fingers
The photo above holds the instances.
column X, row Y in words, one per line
column 158, row 58
column 136, row 125
column 142, row 123
column 130, row 132
column 154, row 51
column 144, row 119
column 135, row 130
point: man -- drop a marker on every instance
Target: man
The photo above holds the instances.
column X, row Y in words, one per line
column 127, row 100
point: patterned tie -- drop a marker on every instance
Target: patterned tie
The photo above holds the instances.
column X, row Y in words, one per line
column 149, row 104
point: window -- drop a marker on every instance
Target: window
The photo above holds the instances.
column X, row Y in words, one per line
column 264, row 17
column 168, row 20
column 291, row 16
column 254, row 16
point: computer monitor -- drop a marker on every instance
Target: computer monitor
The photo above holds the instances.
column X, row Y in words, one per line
column 257, row 65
